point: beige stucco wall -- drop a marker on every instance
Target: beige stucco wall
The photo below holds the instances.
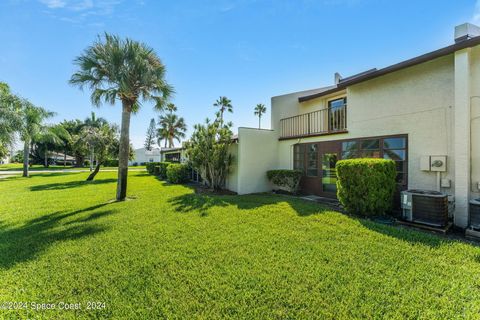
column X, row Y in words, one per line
column 416, row 101
column 475, row 121
column 256, row 154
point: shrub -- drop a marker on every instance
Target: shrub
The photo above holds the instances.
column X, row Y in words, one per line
column 162, row 169
column 86, row 163
column 110, row 163
column 366, row 186
column 150, row 166
column 288, row 179
column 177, row 173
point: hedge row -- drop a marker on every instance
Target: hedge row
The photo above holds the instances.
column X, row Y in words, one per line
column 286, row 179
column 173, row 172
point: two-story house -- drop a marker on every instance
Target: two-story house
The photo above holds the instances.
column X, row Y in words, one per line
column 408, row 112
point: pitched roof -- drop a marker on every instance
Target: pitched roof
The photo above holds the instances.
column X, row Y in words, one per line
column 373, row 73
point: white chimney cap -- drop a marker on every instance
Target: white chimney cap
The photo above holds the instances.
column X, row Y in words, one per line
column 466, row 31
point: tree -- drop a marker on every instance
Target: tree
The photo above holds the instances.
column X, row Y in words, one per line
column 94, row 123
column 76, row 145
column 50, row 136
column 173, row 126
column 171, row 108
column 10, row 118
column 32, row 122
column 208, row 152
column 127, row 70
column 150, row 139
column 105, row 141
column 259, row 110
column 162, row 134
column 223, row 104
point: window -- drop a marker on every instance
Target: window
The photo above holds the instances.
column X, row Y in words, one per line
column 394, row 148
column 299, row 157
column 312, row 159
column 172, row 157
column 337, row 115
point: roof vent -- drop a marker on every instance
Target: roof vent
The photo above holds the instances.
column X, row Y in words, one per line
column 338, row 77
column 466, row 31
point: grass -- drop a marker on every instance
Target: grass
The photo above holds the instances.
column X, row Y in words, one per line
column 39, row 167
column 169, row 253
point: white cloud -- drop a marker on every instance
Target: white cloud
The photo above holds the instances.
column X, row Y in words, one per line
column 54, row 4
column 476, row 13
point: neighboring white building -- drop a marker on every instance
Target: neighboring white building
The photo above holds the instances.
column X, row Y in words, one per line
column 5, row 160
column 173, row 154
column 410, row 112
column 143, row 155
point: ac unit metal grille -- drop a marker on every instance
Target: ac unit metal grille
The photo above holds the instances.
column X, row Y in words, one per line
column 430, row 210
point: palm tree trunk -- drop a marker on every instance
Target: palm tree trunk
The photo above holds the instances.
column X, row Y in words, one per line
column 46, row 158
column 94, row 173
column 166, row 142
column 26, row 153
column 259, row 117
column 91, row 159
column 124, row 151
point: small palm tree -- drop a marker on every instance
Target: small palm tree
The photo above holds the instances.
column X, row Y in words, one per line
column 126, row 70
column 260, row 109
column 51, row 136
column 171, row 108
column 223, row 104
column 32, row 124
column 174, row 127
column 10, row 120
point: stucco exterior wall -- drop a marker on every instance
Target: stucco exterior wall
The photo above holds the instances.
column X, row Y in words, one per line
column 475, row 121
column 417, row 101
column 257, row 153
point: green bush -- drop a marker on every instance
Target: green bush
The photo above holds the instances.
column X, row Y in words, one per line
column 366, row 186
column 162, row 169
column 177, row 173
column 150, row 166
column 110, row 163
column 156, row 170
column 288, row 179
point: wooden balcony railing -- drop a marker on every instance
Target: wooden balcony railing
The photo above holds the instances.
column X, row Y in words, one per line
column 325, row 121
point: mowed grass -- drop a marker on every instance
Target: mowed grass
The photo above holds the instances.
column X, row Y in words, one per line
column 169, row 253
column 39, row 167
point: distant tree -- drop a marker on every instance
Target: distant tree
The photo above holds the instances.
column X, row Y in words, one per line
column 208, row 152
column 76, row 145
column 31, row 125
column 105, row 141
column 259, row 110
column 52, row 136
column 223, row 104
column 10, row 118
column 171, row 108
column 127, row 70
column 150, row 139
column 174, row 127
column 162, row 134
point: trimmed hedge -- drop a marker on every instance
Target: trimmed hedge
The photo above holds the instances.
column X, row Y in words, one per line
column 161, row 171
column 110, row 163
column 288, row 179
column 366, row 186
column 177, row 173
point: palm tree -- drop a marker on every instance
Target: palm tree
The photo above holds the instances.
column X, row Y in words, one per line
column 94, row 123
column 54, row 135
column 126, row 70
column 162, row 134
column 174, row 127
column 223, row 104
column 171, row 108
column 10, row 120
column 32, row 122
column 260, row 109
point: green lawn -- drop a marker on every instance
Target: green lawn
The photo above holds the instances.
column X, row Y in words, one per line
column 169, row 253
column 39, row 167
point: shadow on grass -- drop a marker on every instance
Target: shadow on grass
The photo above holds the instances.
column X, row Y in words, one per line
column 24, row 243
column 203, row 202
column 69, row 184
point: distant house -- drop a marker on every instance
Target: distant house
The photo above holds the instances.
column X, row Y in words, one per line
column 423, row 113
column 143, row 155
column 5, row 160
column 173, row 154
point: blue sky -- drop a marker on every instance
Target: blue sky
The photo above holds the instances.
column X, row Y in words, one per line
column 246, row 50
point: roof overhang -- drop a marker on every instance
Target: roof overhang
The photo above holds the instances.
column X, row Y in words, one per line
column 343, row 84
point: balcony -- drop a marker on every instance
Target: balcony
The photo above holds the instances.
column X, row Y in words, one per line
column 322, row 122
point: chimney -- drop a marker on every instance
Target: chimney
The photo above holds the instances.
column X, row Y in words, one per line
column 466, row 31
column 338, row 77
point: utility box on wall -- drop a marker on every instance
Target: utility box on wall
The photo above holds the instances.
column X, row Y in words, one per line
column 433, row 163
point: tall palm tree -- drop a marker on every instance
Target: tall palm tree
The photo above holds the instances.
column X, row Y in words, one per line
column 53, row 135
column 260, row 109
column 127, row 70
column 171, row 108
column 223, row 104
column 32, row 122
column 174, row 127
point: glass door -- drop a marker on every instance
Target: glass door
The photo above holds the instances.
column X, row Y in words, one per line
column 329, row 155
